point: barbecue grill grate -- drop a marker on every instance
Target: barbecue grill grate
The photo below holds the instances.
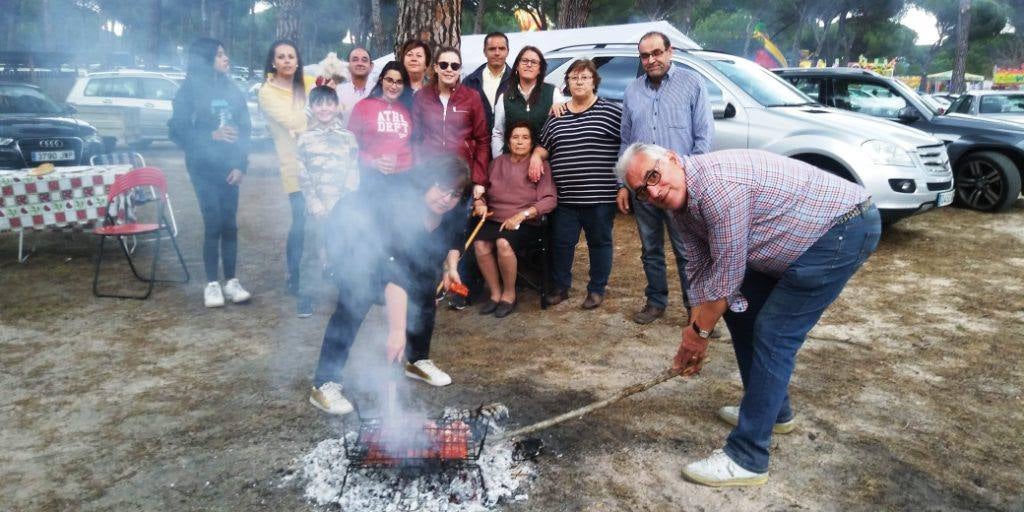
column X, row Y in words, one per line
column 443, row 445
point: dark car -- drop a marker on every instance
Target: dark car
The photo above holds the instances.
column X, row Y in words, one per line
column 34, row 130
column 987, row 155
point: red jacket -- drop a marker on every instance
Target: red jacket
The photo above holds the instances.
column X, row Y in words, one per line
column 461, row 129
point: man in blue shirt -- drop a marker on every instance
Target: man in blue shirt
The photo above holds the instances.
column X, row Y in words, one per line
column 667, row 106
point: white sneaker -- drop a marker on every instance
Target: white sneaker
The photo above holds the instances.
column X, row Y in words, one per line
column 212, row 296
column 731, row 415
column 425, row 370
column 719, row 470
column 328, row 398
column 234, row 291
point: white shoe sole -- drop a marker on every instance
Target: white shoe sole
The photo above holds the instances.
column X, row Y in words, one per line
column 732, row 482
column 778, row 428
column 330, row 411
column 214, row 304
column 235, row 300
column 412, row 375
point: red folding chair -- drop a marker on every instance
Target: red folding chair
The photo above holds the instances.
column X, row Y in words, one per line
column 118, row 225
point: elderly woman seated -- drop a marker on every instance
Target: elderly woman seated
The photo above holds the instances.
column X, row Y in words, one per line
column 513, row 205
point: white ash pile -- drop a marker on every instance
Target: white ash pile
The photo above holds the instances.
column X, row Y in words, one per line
column 434, row 488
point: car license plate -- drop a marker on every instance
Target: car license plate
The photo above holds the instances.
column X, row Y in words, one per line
column 944, row 199
column 52, row 156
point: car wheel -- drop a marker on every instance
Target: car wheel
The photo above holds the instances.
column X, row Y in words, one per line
column 986, row 181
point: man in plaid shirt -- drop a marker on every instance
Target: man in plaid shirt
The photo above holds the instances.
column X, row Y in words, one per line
column 770, row 243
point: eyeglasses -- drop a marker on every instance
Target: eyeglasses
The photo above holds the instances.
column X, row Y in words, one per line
column 656, row 54
column 444, row 65
column 651, row 178
column 529, row 62
column 580, row 79
column 454, row 193
column 391, row 81
column 359, row 59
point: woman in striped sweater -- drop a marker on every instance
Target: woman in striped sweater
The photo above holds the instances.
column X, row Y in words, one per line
column 582, row 147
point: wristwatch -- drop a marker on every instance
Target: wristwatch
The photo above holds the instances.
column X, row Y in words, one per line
column 704, row 334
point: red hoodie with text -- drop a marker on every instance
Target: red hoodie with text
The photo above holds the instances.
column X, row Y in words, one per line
column 382, row 128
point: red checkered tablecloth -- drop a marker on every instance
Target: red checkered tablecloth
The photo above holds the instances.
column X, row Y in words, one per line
column 66, row 196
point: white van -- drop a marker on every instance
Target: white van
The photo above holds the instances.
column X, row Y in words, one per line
column 148, row 91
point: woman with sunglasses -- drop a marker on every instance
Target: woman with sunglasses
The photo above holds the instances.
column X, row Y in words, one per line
column 529, row 101
column 382, row 124
column 449, row 119
column 585, row 180
column 282, row 100
column 397, row 260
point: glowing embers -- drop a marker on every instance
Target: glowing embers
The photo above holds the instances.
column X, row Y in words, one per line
column 443, row 441
column 444, row 446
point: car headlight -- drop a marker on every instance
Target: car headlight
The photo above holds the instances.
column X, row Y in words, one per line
column 887, row 153
column 6, row 141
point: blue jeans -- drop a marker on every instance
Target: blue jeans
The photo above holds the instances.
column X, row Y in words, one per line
column 780, row 313
column 596, row 222
column 651, row 222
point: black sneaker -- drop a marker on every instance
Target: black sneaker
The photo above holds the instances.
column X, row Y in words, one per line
column 457, row 302
column 305, row 307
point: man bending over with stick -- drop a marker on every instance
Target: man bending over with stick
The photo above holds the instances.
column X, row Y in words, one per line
column 770, row 243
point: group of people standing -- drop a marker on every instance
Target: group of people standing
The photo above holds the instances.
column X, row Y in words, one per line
column 388, row 178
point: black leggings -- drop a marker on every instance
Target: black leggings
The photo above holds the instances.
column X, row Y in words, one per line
column 296, row 235
column 218, row 202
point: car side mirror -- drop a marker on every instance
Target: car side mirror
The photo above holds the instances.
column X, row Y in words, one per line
column 723, row 110
column 70, row 109
column 908, row 114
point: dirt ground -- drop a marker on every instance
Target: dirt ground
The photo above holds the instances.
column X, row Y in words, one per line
column 908, row 394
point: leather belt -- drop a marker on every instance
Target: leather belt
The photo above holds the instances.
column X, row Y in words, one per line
column 857, row 210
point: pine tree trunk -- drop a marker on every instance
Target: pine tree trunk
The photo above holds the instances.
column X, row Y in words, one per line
column 433, row 21
column 380, row 39
column 153, row 36
column 217, row 20
column 288, row 19
column 44, row 10
column 478, row 21
column 573, row 13
column 963, row 27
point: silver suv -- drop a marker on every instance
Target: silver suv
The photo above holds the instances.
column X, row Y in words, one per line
column 906, row 171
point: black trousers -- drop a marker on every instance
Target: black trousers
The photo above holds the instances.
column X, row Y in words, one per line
column 348, row 315
column 218, row 203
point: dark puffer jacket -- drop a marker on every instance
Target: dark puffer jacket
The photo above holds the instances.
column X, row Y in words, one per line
column 200, row 107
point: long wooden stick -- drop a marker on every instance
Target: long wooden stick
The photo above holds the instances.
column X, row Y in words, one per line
column 576, row 413
column 469, row 241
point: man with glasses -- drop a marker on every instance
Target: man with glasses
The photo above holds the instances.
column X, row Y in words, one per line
column 667, row 106
column 490, row 79
column 350, row 92
column 770, row 243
